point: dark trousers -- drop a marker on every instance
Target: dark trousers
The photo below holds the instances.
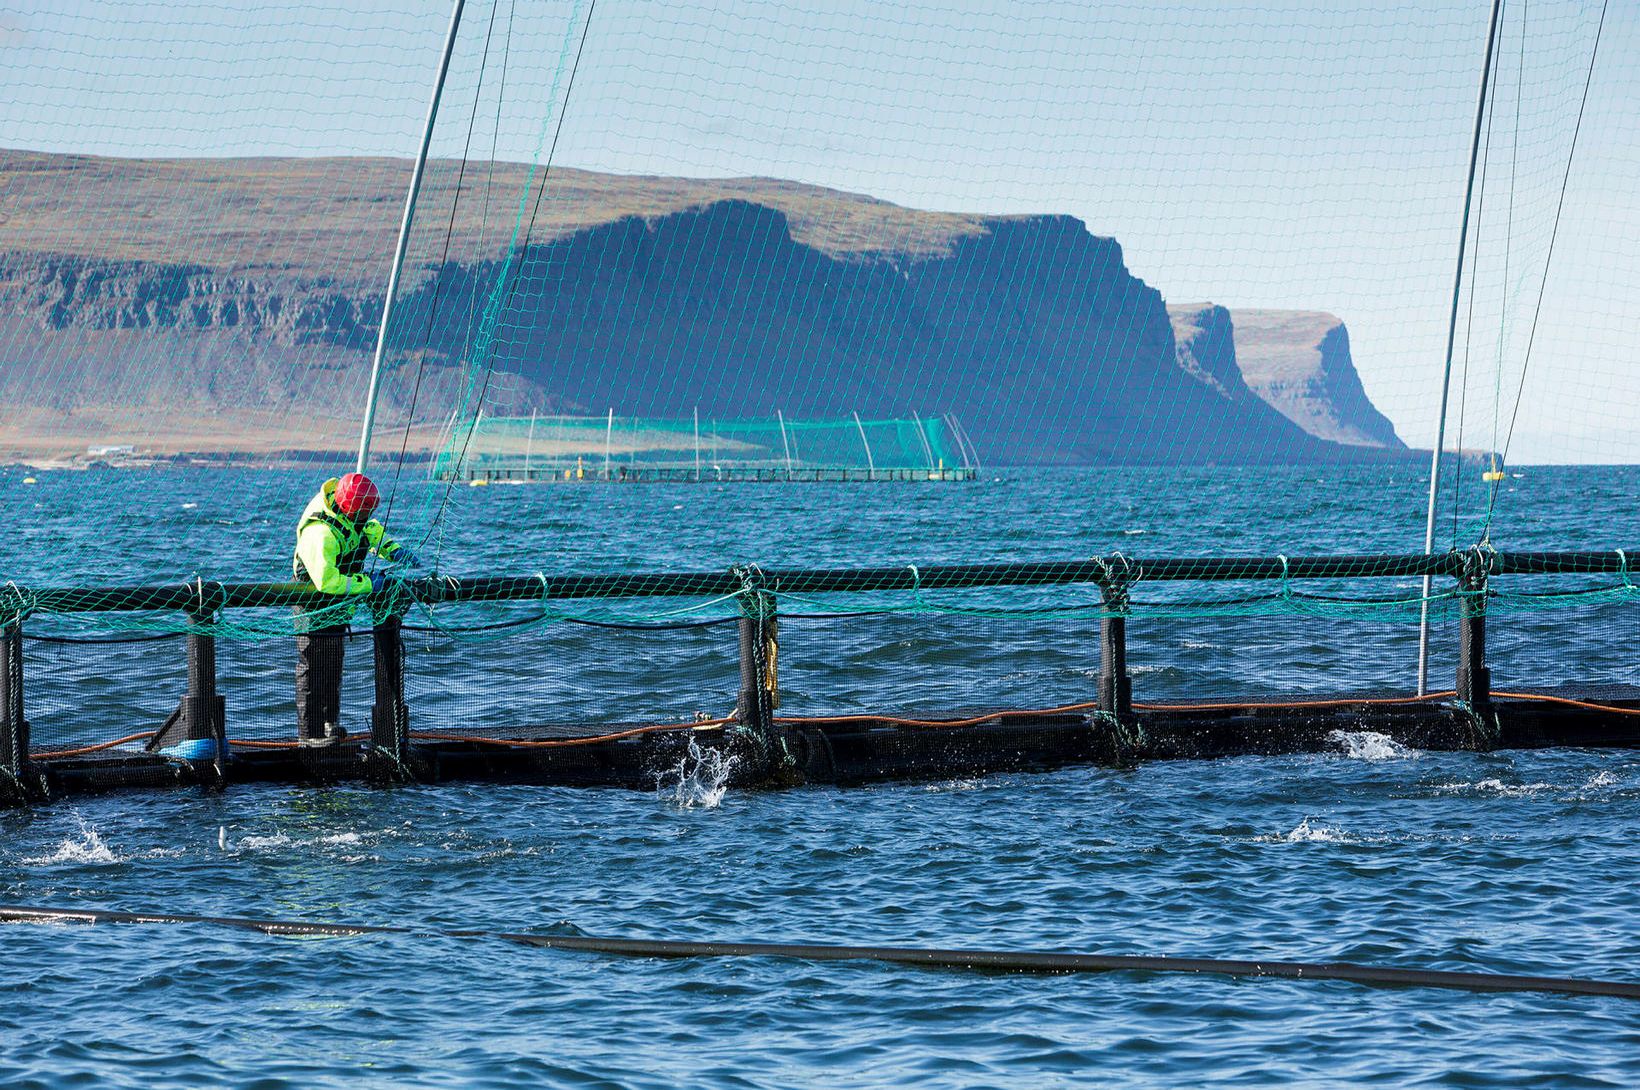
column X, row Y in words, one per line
column 319, row 680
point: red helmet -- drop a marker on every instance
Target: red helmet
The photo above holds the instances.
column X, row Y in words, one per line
column 357, row 496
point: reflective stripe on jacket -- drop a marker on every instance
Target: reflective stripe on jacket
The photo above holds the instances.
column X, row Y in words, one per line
column 331, row 548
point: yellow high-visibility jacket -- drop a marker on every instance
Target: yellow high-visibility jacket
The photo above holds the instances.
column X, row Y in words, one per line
column 331, row 548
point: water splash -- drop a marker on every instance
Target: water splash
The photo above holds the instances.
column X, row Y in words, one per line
column 1369, row 745
column 1514, row 790
column 86, row 848
column 1305, row 833
column 280, row 841
column 947, row 786
column 700, row 779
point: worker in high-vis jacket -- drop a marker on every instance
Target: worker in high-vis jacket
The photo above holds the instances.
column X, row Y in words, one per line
column 335, row 538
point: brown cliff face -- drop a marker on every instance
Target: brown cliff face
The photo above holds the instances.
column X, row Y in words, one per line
column 1299, row 362
column 1296, row 362
column 237, row 300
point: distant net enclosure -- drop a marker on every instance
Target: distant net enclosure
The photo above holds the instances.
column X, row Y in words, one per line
column 636, row 449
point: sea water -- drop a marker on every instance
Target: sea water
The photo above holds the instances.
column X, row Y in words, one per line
column 1370, row 852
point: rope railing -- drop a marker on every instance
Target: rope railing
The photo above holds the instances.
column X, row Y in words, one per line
column 205, row 597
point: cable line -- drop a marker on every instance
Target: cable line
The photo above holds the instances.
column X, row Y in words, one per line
column 1554, row 233
column 1004, row 961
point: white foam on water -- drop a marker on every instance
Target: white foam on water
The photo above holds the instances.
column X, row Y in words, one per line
column 699, row 780
column 952, row 785
column 1571, row 792
column 86, row 848
column 273, row 842
column 1369, row 745
column 1305, row 833
column 256, row 843
column 1512, row 790
column 340, row 838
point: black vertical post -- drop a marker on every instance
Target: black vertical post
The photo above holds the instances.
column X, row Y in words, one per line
column 758, row 651
column 1115, row 686
column 390, row 717
column 199, row 725
column 1474, row 678
column 204, row 712
column 13, row 727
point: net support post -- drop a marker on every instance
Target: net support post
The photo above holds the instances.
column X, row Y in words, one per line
column 204, row 712
column 1474, row 680
column 759, row 646
column 16, row 773
column 1115, row 685
column 390, row 715
column 196, row 733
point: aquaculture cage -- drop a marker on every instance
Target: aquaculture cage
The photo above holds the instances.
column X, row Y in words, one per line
column 794, row 675
column 703, row 448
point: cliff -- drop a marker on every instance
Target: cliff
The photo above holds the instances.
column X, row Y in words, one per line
column 1299, row 362
column 231, row 304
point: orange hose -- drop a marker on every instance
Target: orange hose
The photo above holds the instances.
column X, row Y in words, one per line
column 81, row 751
column 1012, row 713
column 439, row 736
column 1336, row 703
column 1547, row 699
column 1063, row 708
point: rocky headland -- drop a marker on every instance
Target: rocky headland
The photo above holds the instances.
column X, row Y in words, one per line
column 231, row 305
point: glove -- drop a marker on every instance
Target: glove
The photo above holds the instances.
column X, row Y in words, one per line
column 403, row 555
column 380, row 582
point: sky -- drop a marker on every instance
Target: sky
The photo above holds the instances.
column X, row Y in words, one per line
column 1293, row 154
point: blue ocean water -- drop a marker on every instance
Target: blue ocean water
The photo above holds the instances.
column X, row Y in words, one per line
column 1509, row 862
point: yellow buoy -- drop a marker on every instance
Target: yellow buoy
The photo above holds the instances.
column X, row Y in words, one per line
column 30, row 480
column 477, row 482
column 1493, row 475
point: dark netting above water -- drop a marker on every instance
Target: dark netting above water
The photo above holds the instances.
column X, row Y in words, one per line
column 510, row 661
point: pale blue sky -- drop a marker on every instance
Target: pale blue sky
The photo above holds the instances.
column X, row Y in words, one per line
column 1272, row 153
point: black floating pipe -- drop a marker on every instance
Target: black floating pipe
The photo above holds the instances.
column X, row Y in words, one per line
column 1007, row 961
column 437, row 590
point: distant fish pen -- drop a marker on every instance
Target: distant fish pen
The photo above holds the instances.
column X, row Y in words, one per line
column 704, row 449
column 123, row 674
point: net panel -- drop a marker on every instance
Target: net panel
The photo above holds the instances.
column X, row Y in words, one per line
column 824, row 221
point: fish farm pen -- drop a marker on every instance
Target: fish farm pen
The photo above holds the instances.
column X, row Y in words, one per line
column 203, row 712
column 652, row 450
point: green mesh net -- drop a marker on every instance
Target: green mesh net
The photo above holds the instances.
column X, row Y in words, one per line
column 812, row 244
